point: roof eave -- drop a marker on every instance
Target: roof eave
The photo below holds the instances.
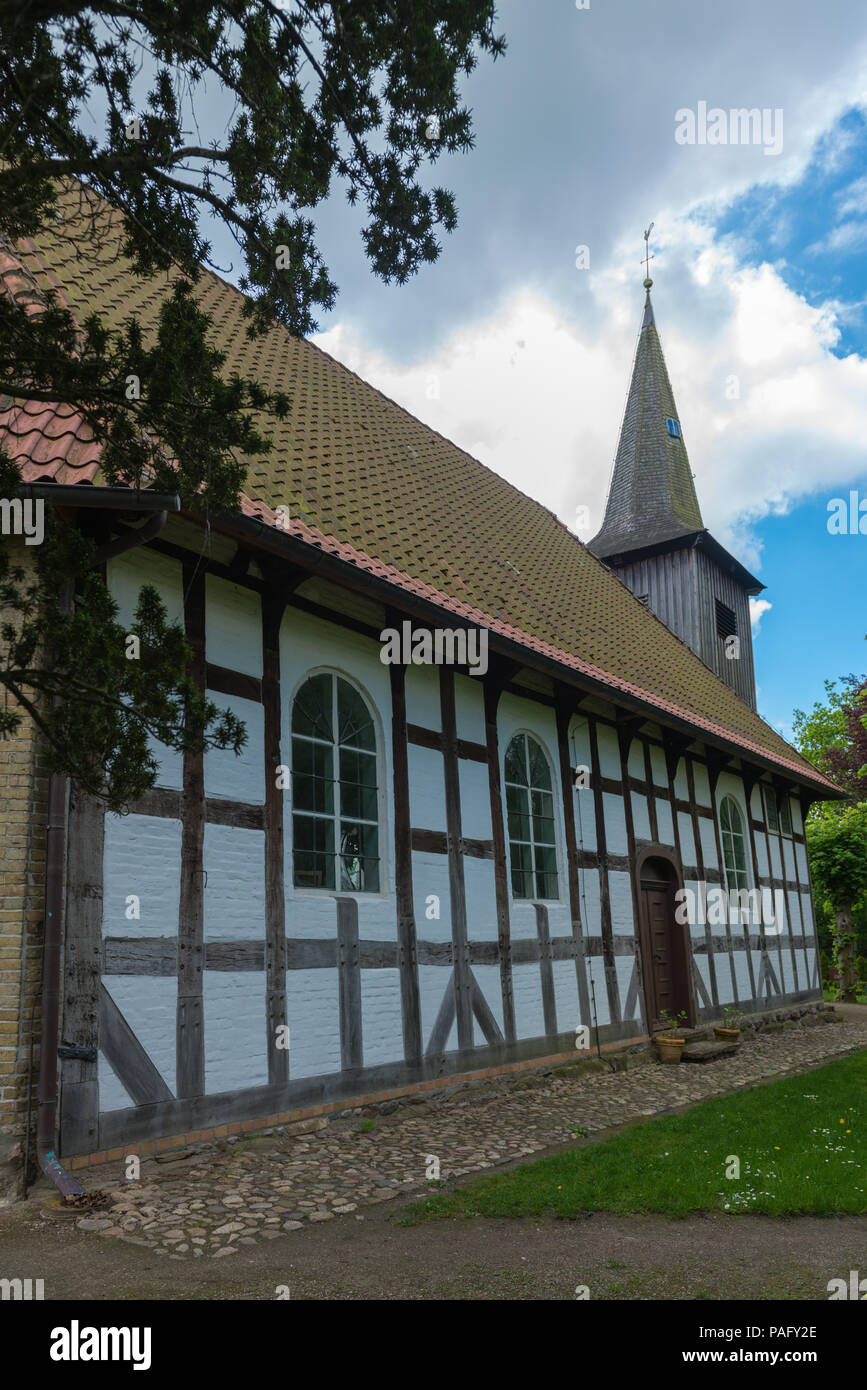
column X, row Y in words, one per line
column 615, row 555
column 301, row 552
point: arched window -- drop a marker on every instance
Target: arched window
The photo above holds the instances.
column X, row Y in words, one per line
column 530, row 810
column 335, row 808
column 733, row 844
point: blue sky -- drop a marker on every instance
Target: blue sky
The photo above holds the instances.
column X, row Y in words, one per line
column 815, row 234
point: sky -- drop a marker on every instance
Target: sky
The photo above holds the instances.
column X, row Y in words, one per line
column 522, row 358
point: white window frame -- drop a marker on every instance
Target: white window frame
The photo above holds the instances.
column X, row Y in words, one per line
column 533, row 898
column 311, row 890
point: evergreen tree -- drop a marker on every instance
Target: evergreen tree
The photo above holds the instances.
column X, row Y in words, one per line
column 360, row 93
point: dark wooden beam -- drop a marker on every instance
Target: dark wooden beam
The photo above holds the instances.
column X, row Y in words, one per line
column 674, row 747
column 82, row 972
column 168, row 802
column 604, row 895
column 349, row 978
column 565, row 706
column 457, row 890
column 493, row 688
column 127, row 1058
column 275, row 895
column 432, row 738
column 546, row 969
column 716, row 763
column 627, row 727
column 406, row 928
column 482, row 1011
column 190, row 1015
column 227, row 682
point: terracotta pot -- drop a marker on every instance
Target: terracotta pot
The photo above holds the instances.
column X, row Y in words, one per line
column 670, row 1049
column 727, row 1034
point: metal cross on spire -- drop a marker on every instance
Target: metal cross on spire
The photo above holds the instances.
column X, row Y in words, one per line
column 647, row 257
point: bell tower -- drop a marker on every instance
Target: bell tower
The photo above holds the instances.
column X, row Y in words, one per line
column 653, row 536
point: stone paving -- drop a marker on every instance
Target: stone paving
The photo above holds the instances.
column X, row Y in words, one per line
column 225, row 1197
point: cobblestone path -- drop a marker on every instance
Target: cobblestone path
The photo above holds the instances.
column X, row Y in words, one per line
column 220, row 1199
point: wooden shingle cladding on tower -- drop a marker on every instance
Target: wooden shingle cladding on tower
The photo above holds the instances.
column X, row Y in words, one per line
column 511, row 899
column 653, row 537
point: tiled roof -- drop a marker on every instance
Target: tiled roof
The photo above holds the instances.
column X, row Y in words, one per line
column 652, row 495
column 369, row 483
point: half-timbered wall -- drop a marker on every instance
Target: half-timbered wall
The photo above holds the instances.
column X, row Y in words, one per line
column 206, row 947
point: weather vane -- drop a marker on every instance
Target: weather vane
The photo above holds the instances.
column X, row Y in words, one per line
column 647, row 257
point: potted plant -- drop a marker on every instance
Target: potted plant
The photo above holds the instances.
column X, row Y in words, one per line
column 729, row 1031
column 668, row 1044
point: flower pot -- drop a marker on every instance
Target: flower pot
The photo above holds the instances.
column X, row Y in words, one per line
column 727, row 1034
column 670, row 1049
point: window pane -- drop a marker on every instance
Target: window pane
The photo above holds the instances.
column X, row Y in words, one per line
column 540, row 773
column 546, row 871
column 314, row 852
column 517, row 805
column 543, row 818
column 771, row 808
column 515, row 765
column 358, row 785
column 312, row 786
column 522, row 871
column 353, row 718
column 359, row 847
column 546, row 885
column 311, row 712
column 785, row 815
column 517, row 800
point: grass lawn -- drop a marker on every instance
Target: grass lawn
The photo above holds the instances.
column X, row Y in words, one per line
column 831, row 995
column 801, row 1144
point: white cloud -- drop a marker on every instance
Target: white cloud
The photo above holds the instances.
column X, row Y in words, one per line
column 539, row 399
column 758, row 608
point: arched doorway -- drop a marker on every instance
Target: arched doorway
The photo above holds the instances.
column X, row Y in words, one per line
column 664, row 945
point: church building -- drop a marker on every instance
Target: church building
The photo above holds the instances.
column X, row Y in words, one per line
column 486, row 764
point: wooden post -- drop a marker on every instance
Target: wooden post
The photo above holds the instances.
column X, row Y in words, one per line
column 546, row 969
column 625, row 737
column 275, row 898
column 567, row 789
column 190, row 1020
column 604, row 897
column 457, row 891
column 406, row 930
column 82, row 974
column 349, row 972
column 493, row 690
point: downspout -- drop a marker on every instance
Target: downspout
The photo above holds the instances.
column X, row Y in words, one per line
column 55, row 857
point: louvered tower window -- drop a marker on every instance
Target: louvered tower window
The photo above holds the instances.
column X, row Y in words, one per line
column 726, row 622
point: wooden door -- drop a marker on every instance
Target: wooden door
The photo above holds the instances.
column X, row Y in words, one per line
column 658, row 915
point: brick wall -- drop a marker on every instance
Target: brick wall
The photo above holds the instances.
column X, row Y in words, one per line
column 24, row 799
